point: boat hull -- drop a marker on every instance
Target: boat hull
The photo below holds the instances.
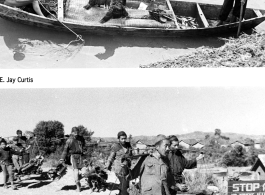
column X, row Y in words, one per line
column 17, row 15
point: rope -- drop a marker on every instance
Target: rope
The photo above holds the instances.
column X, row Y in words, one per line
column 78, row 37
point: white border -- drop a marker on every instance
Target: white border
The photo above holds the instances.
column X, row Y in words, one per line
column 82, row 78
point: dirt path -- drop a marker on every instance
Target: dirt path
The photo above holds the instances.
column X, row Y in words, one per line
column 65, row 186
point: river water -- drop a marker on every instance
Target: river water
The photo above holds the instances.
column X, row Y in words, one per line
column 23, row 46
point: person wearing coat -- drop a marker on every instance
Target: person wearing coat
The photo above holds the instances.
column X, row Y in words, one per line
column 178, row 163
column 17, row 159
column 154, row 171
column 75, row 147
column 6, row 163
column 118, row 162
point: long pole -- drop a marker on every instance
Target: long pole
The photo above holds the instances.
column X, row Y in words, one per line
column 241, row 17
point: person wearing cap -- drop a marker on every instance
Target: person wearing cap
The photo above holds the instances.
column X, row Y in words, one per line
column 118, row 162
column 6, row 153
column 74, row 146
column 17, row 159
column 154, row 171
column 178, row 163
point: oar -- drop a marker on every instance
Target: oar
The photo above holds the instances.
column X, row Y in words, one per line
column 241, row 17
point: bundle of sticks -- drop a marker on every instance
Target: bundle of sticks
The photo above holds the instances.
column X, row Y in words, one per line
column 58, row 172
column 95, row 177
column 33, row 167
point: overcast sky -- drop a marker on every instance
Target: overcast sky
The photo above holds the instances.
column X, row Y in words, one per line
column 138, row 111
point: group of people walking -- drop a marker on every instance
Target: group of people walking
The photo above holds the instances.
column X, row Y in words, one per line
column 14, row 156
column 160, row 171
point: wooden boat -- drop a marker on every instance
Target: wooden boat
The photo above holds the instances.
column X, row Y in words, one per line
column 82, row 21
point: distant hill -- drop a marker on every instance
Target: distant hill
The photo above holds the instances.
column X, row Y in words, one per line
column 233, row 136
column 198, row 135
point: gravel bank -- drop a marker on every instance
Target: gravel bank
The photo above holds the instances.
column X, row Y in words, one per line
column 245, row 51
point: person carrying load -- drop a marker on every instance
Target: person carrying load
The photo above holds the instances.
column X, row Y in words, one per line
column 17, row 159
column 118, row 158
column 6, row 153
column 74, row 146
column 22, row 142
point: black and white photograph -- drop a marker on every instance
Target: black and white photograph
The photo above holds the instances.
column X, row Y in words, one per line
column 132, row 141
column 84, row 111
column 37, row 34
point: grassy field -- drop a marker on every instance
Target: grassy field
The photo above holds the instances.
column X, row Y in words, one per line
column 208, row 174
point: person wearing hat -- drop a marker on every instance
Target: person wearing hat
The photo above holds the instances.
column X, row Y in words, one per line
column 6, row 153
column 178, row 163
column 74, row 146
column 154, row 171
column 17, row 159
column 118, row 162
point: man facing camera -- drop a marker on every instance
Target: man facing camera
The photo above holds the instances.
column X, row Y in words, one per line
column 154, row 171
column 178, row 163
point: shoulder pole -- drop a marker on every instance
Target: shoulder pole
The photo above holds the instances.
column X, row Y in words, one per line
column 241, row 17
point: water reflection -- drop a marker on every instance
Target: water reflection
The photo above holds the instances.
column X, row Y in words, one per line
column 52, row 46
column 28, row 43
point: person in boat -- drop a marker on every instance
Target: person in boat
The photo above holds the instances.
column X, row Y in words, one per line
column 23, row 3
column 6, row 153
column 117, row 160
column 154, row 170
column 92, row 3
column 227, row 7
column 75, row 147
column 116, row 10
column 178, row 163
